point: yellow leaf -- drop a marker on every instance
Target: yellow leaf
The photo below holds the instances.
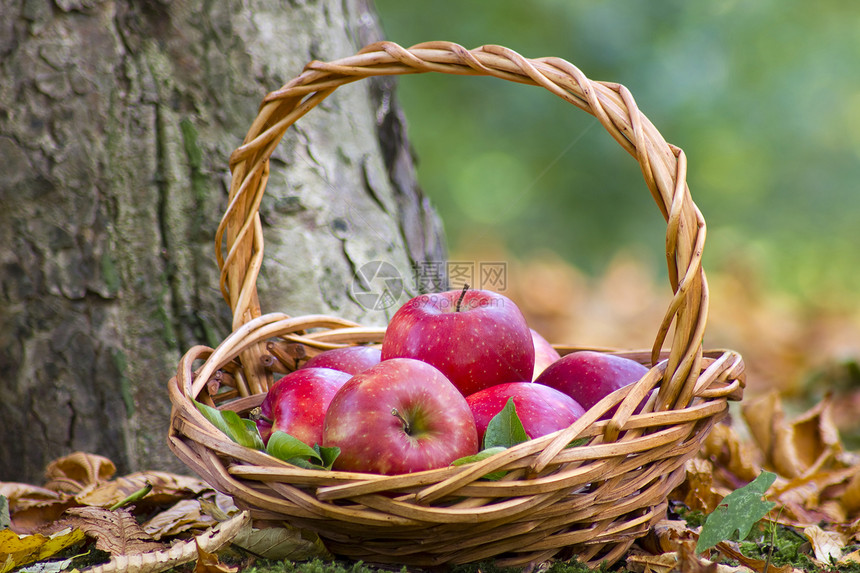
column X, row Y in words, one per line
column 17, row 550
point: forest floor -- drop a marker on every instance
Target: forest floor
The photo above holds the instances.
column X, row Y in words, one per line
column 797, row 423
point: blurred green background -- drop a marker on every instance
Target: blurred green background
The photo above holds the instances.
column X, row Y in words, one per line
column 763, row 96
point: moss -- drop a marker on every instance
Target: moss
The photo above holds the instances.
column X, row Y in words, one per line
column 784, row 545
column 120, row 362
column 315, row 566
column 110, row 274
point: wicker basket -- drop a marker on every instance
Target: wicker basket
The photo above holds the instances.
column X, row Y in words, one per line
column 591, row 501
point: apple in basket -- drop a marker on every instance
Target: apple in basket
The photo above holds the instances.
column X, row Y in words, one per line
column 400, row 416
column 296, row 404
column 350, row 359
column 588, row 376
column 541, row 409
column 476, row 338
column 545, row 354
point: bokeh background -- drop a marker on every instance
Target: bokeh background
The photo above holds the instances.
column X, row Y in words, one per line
column 764, row 97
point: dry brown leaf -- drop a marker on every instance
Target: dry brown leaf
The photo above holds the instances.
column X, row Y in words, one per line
column 116, row 532
column 724, row 446
column 167, row 488
column 183, row 515
column 671, row 534
column 807, row 443
column 178, row 553
column 798, row 447
column 698, row 491
column 827, row 545
column 209, row 563
column 32, row 507
column 75, row 472
column 664, row 563
column 850, row 497
column 853, row 557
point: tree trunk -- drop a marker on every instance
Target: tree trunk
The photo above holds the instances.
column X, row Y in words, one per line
column 116, row 122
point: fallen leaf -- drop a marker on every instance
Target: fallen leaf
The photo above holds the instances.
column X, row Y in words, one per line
column 116, row 532
column 698, row 491
column 725, row 448
column 762, row 414
column 850, row 497
column 31, row 507
column 853, row 557
column 167, row 488
column 798, row 447
column 282, row 542
column 184, row 515
column 738, row 512
column 664, row 563
column 689, row 562
column 671, row 534
column 178, row 553
column 18, row 550
column 77, row 471
column 209, row 563
column 828, row 545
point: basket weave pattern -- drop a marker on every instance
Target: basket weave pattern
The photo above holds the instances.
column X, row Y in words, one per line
column 592, row 500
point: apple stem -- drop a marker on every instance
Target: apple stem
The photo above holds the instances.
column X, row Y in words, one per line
column 257, row 414
column 406, row 427
column 460, row 300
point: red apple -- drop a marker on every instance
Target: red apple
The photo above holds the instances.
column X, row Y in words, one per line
column 476, row 338
column 400, row 416
column 545, row 354
column 588, row 376
column 349, row 359
column 297, row 403
column 541, row 409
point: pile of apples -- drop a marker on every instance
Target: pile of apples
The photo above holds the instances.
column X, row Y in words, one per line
column 449, row 363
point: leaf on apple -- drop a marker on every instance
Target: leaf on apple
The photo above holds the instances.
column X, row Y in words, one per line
column 294, row 451
column 327, row 455
column 482, row 455
column 505, row 428
column 503, row 431
column 242, row 431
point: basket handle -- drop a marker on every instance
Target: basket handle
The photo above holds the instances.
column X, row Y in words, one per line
column 239, row 238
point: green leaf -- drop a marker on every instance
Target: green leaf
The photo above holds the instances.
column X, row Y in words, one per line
column 738, row 511
column 253, row 433
column 482, row 455
column 327, row 455
column 505, row 428
column 291, row 449
column 242, row 431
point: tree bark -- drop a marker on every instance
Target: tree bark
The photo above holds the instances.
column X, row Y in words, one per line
column 116, row 122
